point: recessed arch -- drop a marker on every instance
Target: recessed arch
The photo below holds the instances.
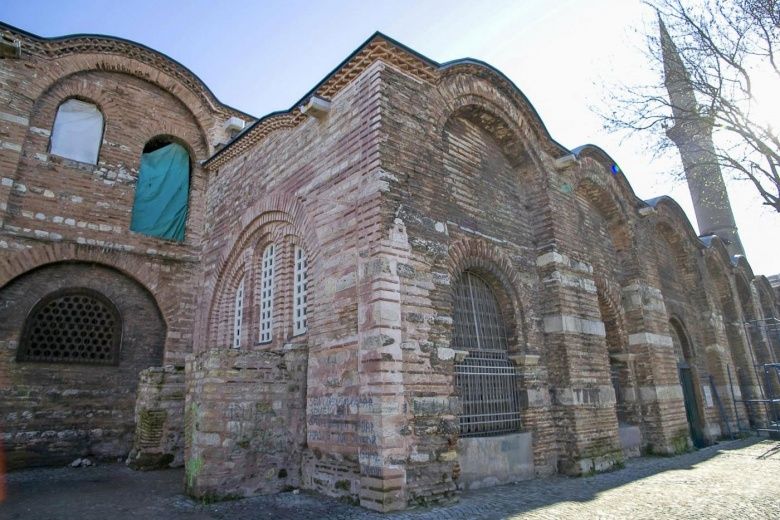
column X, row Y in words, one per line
column 81, row 333
column 598, row 198
column 485, row 380
column 496, row 268
column 244, row 259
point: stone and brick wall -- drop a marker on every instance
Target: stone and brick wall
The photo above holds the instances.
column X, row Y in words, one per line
column 55, row 211
column 416, row 173
column 159, row 419
column 245, row 421
column 55, row 412
column 318, row 186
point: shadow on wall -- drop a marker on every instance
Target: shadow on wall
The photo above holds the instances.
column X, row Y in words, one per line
column 72, row 365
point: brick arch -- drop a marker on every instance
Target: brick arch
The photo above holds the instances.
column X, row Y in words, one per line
column 65, row 86
column 25, row 261
column 727, row 303
column 500, row 131
column 66, row 65
column 493, row 119
column 612, row 314
column 670, row 213
column 744, row 293
column 491, row 262
column 761, row 348
column 684, row 249
column 473, row 78
column 766, row 297
column 592, row 186
column 282, row 206
column 719, row 269
column 677, row 326
column 220, row 325
column 281, row 212
column 678, row 241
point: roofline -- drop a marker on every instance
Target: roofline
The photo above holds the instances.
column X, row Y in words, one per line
column 405, row 48
column 314, row 89
column 7, row 26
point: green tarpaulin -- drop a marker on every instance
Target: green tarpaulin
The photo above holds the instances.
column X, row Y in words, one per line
column 162, row 192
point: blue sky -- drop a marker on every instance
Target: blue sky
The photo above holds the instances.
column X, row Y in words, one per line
column 263, row 56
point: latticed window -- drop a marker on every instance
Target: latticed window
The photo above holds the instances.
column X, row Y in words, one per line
column 267, row 295
column 72, row 326
column 300, row 292
column 486, row 380
column 238, row 317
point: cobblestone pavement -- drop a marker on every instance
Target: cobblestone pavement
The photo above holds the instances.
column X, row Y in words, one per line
column 734, row 480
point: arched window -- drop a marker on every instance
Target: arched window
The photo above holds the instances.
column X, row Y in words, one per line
column 267, row 294
column 163, row 190
column 300, row 289
column 72, row 326
column 77, row 131
column 486, row 380
column 238, row 314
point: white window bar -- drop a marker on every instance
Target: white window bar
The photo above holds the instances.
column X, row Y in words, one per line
column 267, row 295
column 486, row 380
column 238, row 318
column 300, row 296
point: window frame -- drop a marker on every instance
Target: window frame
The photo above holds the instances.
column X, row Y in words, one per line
column 266, row 294
column 300, row 291
column 50, row 147
column 238, row 314
column 484, row 376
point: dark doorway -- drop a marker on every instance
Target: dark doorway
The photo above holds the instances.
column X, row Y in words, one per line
column 691, row 406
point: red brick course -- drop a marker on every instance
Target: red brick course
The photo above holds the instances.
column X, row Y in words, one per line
column 417, row 173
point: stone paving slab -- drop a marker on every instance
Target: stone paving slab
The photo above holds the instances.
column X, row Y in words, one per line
column 733, row 480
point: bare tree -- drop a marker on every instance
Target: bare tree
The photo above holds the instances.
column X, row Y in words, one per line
column 729, row 49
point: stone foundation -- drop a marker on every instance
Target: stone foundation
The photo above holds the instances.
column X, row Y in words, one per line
column 159, row 420
column 245, row 422
column 630, row 441
column 490, row 461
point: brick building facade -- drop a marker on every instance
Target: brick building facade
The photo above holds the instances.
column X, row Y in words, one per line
column 400, row 287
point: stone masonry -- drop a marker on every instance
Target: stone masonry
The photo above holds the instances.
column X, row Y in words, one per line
column 625, row 332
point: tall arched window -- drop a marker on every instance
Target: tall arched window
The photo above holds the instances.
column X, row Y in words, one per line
column 77, row 131
column 267, row 294
column 163, row 190
column 72, row 326
column 238, row 314
column 300, row 289
column 486, row 380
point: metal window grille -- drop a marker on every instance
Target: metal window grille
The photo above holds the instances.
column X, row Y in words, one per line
column 72, row 326
column 267, row 295
column 486, row 380
column 238, row 317
column 300, row 296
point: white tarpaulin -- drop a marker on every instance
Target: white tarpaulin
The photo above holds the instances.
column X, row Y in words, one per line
column 77, row 132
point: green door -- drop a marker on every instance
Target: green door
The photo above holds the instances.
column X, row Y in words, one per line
column 692, row 407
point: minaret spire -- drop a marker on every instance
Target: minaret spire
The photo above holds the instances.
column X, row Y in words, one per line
column 692, row 134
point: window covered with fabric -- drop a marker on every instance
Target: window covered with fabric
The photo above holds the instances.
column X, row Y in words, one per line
column 77, row 131
column 267, row 294
column 300, row 296
column 162, row 192
column 72, row 326
column 238, row 314
column 486, row 379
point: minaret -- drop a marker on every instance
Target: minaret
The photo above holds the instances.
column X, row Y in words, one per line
column 693, row 136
